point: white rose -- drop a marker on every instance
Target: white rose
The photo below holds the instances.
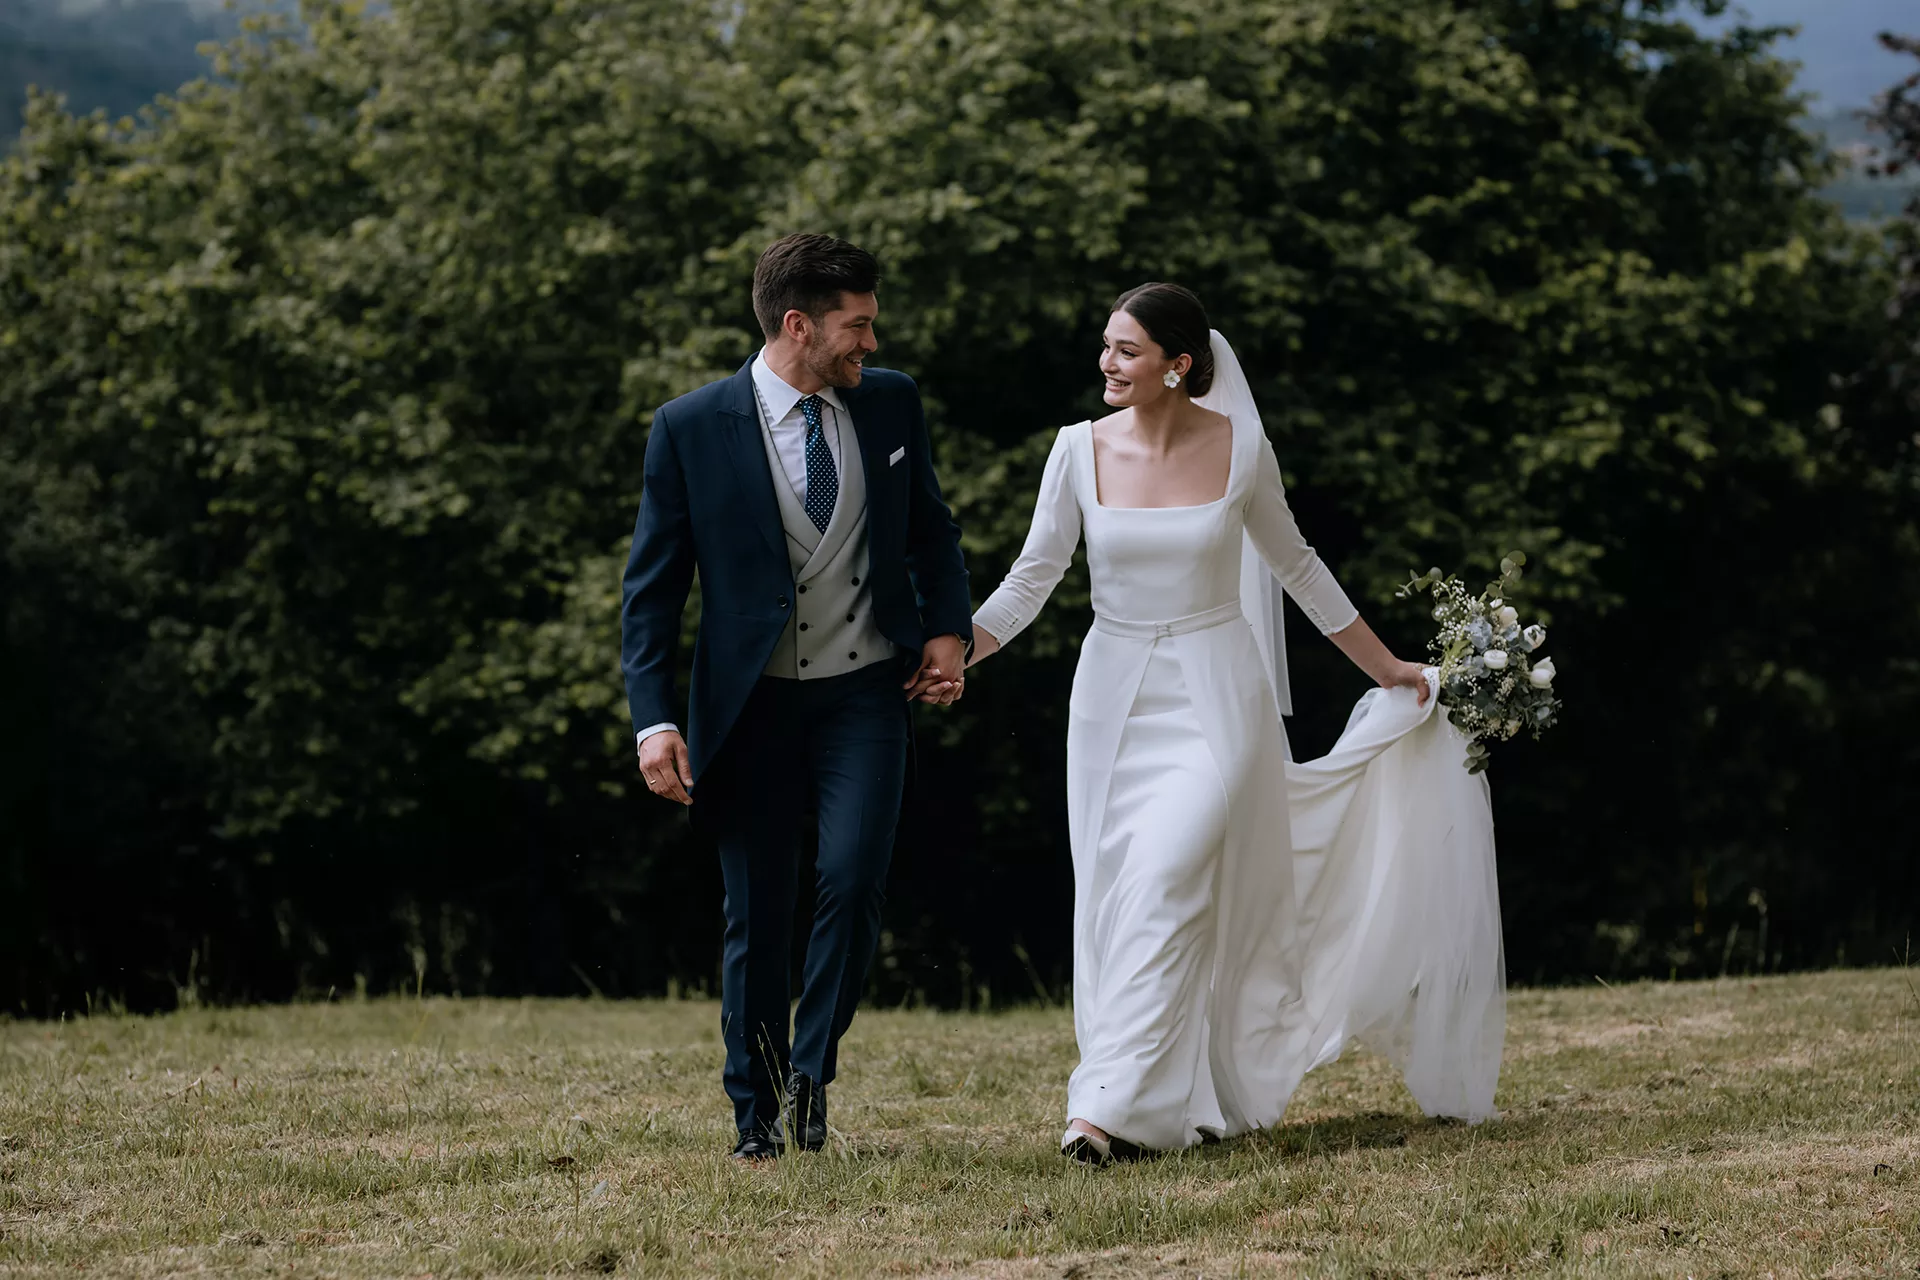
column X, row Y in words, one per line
column 1507, row 616
column 1496, row 659
column 1542, row 673
column 1536, row 635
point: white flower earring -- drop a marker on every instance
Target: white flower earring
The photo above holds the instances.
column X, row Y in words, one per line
column 1172, row 379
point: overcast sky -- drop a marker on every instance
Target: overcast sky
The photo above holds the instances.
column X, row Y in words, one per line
column 1841, row 60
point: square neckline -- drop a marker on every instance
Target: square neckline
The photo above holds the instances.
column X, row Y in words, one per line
column 1233, row 473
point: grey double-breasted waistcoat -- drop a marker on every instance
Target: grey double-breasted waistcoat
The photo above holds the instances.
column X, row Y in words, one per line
column 832, row 630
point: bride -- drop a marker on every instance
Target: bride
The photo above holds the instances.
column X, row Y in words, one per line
column 1238, row 917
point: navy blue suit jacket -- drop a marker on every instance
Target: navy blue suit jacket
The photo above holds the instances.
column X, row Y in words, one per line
column 708, row 506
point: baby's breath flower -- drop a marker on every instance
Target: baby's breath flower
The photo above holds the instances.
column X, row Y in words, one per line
column 1489, row 691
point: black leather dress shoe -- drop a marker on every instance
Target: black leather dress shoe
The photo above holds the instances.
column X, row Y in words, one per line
column 757, row 1146
column 806, row 1113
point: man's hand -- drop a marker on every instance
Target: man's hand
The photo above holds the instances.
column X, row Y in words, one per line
column 941, row 678
column 665, row 765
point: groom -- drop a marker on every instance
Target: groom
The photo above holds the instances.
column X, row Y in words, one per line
column 832, row 593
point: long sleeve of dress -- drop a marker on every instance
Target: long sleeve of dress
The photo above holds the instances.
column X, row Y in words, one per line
column 1055, row 532
column 1276, row 536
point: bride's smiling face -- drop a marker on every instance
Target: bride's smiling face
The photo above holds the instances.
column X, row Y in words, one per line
column 1134, row 365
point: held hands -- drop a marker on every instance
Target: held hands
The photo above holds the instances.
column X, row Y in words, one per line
column 668, row 769
column 665, row 766
column 941, row 678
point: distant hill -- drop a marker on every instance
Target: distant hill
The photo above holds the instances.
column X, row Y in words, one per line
column 118, row 55
column 1860, row 195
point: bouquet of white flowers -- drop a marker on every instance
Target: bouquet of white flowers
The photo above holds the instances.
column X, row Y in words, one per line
column 1491, row 683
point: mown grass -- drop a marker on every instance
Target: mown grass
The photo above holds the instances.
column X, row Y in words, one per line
column 1729, row 1128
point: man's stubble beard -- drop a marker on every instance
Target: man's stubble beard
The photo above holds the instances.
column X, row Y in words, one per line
column 830, row 369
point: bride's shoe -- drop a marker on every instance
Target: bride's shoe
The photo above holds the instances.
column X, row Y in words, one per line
column 1088, row 1148
column 1077, row 1144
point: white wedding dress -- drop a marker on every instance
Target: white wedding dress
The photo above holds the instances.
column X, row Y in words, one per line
column 1238, row 917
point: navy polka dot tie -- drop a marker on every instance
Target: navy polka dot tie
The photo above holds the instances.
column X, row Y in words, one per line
column 823, row 482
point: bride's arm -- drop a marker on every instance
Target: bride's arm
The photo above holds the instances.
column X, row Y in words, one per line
column 1369, row 652
column 1276, row 536
column 1051, row 538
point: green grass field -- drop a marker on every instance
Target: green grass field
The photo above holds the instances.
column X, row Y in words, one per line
column 1728, row 1128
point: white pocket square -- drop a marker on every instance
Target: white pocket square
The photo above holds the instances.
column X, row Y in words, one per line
column 894, row 457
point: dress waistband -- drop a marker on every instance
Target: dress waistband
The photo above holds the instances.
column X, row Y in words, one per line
column 1174, row 627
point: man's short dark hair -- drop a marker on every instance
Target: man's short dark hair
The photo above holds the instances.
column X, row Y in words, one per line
column 808, row 273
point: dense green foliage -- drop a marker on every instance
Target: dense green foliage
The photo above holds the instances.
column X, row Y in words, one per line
column 324, row 396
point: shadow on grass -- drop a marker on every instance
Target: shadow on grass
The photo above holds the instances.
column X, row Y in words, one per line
column 1366, row 1131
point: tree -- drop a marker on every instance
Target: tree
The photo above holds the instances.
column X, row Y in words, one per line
column 1897, row 118
column 325, row 388
column 378, row 316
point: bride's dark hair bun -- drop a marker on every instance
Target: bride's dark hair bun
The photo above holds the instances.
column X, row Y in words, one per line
column 1174, row 318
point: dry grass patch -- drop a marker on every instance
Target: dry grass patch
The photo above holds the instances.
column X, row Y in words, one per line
column 1713, row 1129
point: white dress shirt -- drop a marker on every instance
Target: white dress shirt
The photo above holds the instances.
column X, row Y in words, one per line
column 779, row 408
column 780, row 412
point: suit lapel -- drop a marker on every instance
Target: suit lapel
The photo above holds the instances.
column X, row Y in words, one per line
column 794, row 519
column 873, row 467
column 747, row 447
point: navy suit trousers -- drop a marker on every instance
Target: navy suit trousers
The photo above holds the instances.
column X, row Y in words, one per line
column 839, row 745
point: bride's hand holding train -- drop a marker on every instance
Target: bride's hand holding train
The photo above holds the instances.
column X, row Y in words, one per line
column 1366, row 651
